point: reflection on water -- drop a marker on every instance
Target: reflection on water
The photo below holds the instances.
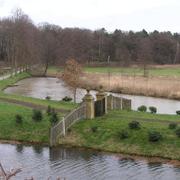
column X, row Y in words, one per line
column 77, row 164
column 56, row 89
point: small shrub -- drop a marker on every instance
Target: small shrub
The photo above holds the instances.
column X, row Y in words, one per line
column 142, row 108
column 178, row 132
column 153, row 109
column 178, row 112
column 37, row 115
column 67, row 99
column 48, row 98
column 94, row 129
column 154, row 136
column 123, row 134
column 54, row 118
column 172, row 125
column 49, row 110
column 18, row 119
column 134, row 125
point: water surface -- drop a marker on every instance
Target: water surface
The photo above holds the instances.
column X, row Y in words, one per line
column 56, row 89
column 77, row 164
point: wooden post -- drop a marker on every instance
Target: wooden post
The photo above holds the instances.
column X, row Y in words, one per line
column 64, row 127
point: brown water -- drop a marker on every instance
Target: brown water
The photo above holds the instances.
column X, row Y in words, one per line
column 56, row 89
column 77, row 164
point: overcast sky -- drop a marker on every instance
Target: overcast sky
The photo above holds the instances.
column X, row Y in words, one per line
column 162, row 15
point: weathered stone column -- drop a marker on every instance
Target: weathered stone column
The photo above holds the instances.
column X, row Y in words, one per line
column 100, row 95
column 89, row 101
column 110, row 102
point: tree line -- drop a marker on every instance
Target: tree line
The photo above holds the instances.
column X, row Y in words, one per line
column 22, row 43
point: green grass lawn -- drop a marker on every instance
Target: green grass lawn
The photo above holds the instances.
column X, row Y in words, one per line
column 28, row 131
column 124, row 70
column 106, row 137
column 135, row 71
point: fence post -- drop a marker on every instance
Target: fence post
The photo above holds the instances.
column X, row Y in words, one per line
column 89, row 103
column 64, row 127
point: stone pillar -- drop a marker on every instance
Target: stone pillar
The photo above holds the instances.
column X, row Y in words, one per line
column 89, row 101
column 99, row 96
column 110, row 102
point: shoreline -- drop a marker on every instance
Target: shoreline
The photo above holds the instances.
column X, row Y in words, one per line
column 120, row 155
column 137, row 93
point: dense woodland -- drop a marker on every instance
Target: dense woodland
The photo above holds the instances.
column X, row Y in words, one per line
column 24, row 43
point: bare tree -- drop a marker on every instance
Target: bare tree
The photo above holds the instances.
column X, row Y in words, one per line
column 71, row 75
column 8, row 174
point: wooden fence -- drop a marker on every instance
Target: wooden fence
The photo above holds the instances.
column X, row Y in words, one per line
column 118, row 103
column 61, row 127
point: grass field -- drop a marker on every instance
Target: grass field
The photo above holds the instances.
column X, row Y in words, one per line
column 170, row 71
column 28, row 131
column 106, row 136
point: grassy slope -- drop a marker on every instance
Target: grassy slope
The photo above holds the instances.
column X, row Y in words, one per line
column 108, row 127
column 28, row 131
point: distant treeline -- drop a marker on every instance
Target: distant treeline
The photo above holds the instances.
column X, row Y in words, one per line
column 22, row 42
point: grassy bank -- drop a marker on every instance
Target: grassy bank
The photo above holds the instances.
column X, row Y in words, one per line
column 163, row 81
column 106, row 137
column 12, row 80
column 28, row 131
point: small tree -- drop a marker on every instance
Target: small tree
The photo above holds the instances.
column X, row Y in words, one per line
column 71, row 75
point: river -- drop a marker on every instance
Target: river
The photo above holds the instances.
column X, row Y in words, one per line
column 56, row 89
column 77, row 164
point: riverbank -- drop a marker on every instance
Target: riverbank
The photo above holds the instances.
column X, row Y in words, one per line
column 163, row 83
column 103, row 134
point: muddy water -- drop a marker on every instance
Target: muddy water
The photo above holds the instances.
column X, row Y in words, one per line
column 77, row 164
column 56, row 89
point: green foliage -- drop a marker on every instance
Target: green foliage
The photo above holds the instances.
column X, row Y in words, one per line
column 178, row 112
column 154, row 136
column 54, row 118
column 134, row 125
column 94, row 128
column 123, row 134
column 172, row 125
column 49, row 110
column 67, row 99
column 142, row 108
column 178, row 132
column 153, row 109
column 37, row 115
column 48, row 98
column 18, row 119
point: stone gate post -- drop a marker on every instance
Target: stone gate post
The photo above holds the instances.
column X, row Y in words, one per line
column 89, row 101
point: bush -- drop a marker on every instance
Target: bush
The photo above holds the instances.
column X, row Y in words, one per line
column 49, row 110
column 67, row 99
column 178, row 132
column 172, row 125
column 94, row 129
column 48, row 98
column 178, row 112
column 37, row 115
column 54, row 117
column 134, row 125
column 123, row 134
column 154, row 136
column 142, row 108
column 153, row 109
column 18, row 119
